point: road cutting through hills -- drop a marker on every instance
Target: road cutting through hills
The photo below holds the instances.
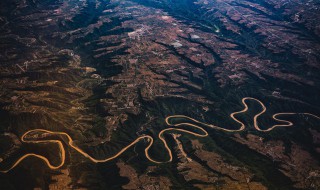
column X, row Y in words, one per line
column 149, row 138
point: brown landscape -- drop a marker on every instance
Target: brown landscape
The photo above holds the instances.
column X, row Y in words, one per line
column 190, row 94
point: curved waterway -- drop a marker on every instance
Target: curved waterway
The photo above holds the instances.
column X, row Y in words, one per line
column 202, row 133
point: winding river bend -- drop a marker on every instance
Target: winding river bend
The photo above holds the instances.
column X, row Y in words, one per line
column 150, row 140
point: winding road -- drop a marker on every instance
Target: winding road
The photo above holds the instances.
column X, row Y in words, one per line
column 150, row 140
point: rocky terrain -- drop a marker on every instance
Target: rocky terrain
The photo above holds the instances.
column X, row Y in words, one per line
column 109, row 71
